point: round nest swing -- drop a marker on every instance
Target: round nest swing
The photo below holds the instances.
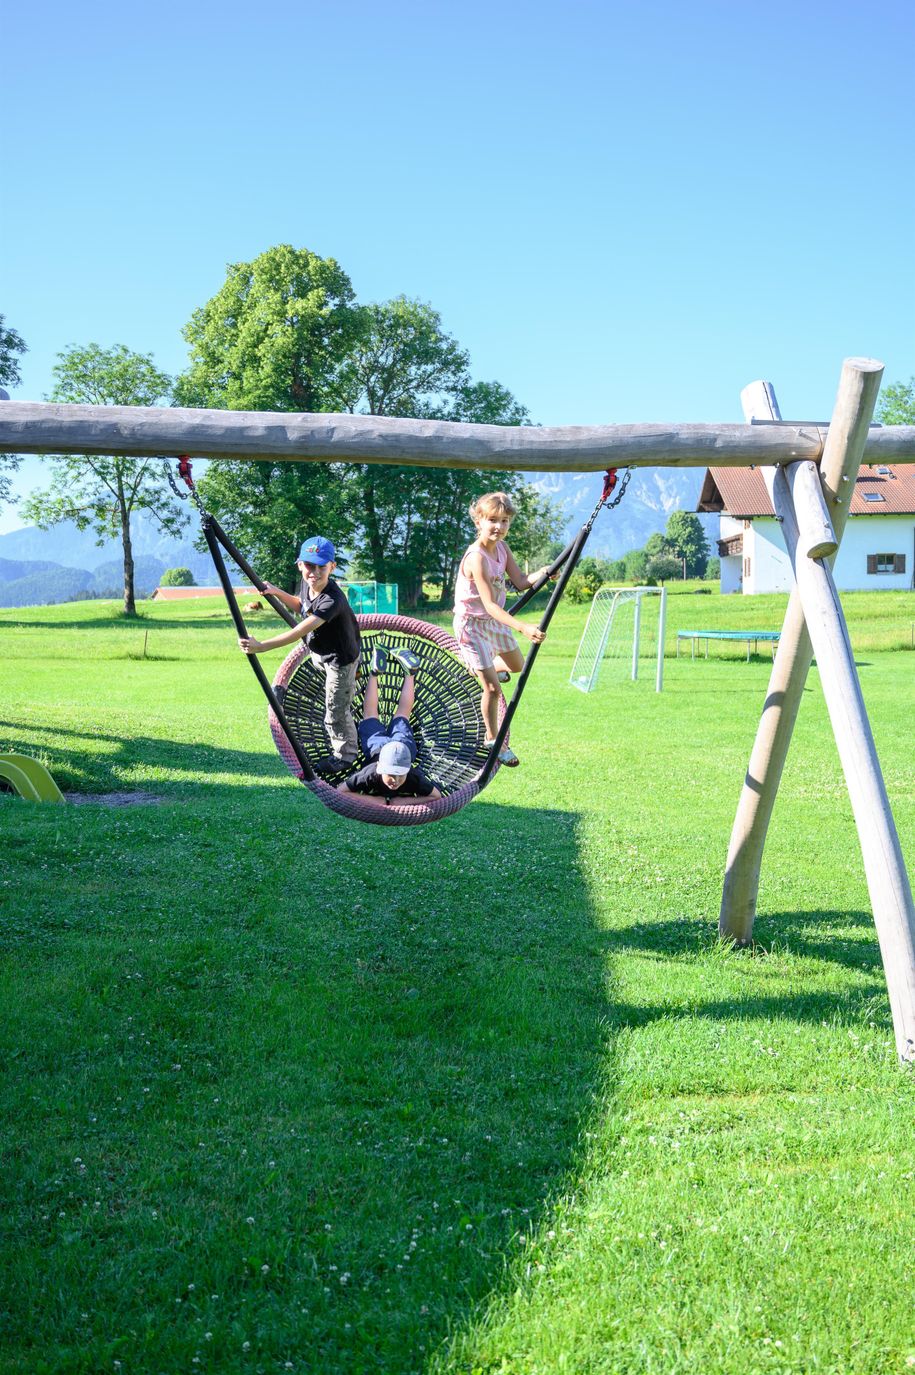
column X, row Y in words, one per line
column 446, row 720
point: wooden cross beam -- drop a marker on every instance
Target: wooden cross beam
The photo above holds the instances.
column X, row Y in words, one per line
column 34, row 427
column 813, row 519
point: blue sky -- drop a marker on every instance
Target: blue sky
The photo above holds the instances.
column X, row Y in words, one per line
column 624, row 213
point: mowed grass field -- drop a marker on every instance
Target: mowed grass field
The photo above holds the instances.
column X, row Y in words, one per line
column 284, row 1092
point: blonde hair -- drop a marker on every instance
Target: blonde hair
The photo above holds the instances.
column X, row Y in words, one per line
column 491, row 504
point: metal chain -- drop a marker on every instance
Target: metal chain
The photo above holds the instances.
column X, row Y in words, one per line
column 190, row 495
column 611, row 501
column 624, row 483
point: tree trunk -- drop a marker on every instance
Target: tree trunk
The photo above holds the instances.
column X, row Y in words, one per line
column 130, row 605
column 371, row 526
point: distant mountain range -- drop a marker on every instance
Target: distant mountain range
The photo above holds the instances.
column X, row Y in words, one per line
column 40, row 567
column 64, row 564
column 650, row 497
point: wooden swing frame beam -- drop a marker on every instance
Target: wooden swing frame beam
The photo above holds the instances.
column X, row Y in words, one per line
column 810, row 470
column 34, row 427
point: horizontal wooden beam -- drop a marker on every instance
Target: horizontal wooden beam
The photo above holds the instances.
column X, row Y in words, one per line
column 33, row 427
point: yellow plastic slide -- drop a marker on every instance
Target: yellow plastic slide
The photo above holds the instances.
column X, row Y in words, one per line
column 29, row 779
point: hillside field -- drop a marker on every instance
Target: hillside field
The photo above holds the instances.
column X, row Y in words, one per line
column 284, row 1092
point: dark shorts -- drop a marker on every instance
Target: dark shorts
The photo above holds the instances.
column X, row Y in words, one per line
column 372, row 735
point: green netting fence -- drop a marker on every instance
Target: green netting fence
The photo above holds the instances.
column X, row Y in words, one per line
column 372, row 598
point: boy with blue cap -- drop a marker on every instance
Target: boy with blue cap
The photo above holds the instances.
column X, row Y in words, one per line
column 390, row 776
column 331, row 635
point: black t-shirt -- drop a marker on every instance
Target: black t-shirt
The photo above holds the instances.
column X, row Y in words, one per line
column 369, row 780
column 337, row 641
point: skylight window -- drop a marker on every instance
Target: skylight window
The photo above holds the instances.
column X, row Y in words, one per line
column 874, row 496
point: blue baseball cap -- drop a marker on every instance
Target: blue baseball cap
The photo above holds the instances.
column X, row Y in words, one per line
column 318, row 550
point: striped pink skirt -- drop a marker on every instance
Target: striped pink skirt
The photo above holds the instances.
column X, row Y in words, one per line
column 480, row 639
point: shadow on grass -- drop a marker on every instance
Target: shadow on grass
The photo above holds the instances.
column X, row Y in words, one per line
column 818, row 935
column 82, row 766
column 127, row 624
column 329, row 1075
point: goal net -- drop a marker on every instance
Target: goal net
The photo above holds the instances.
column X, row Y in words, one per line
column 625, row 632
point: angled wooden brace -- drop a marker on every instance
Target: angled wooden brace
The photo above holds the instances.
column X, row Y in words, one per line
column 814, row 603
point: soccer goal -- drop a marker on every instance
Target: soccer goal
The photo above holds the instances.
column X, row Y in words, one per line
column 625, row 627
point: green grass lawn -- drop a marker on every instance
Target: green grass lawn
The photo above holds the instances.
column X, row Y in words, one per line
column 284, row 1092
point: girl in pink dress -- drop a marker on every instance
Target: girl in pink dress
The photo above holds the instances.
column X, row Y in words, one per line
column 482, row 626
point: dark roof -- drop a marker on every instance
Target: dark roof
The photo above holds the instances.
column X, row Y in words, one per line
column 742, row 491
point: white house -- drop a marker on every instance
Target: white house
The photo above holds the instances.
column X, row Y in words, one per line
column 877, row 549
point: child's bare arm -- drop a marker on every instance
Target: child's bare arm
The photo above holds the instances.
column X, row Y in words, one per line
column 520, row 580
column 251, row 646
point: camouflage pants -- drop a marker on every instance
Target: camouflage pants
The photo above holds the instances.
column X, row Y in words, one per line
column 339, row 690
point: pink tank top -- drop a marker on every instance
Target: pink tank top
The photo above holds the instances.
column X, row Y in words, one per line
column 466, row 597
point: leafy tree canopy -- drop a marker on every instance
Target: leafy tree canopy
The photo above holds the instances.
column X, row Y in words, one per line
column 12, row 346
column 275, row 337
column 98, row 491
column 177, row 577
column 685, row 538
column 402, row 362
column 414, row 521
column 897, row 404
column 270, row 508
column 636, row 561
column 285, row 333
column 657, row 544
column 662, row 567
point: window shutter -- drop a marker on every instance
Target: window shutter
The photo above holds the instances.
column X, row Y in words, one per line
column 872, row 563
column 900, row 563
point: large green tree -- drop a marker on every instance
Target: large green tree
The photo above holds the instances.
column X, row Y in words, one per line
column 685, row 538
column 897, row 404
column 285, row 333
column 277, row 336
column 98, row 491
column 414, row 521
column 12, row 347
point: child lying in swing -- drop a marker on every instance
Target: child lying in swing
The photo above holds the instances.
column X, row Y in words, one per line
column 391, row 775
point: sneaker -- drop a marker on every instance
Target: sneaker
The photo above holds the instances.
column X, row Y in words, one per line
column 503, row 675
column 505, row 756
column 331, row 764
column 379, row 660
column 408, row 661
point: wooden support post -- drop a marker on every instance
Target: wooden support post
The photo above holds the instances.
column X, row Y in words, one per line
column 845, row 441
column 773, row 736
column 815, row 593
column 887, row 881
column 817, row 537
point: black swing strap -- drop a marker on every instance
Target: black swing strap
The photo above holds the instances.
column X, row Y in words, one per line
column 216, row 536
